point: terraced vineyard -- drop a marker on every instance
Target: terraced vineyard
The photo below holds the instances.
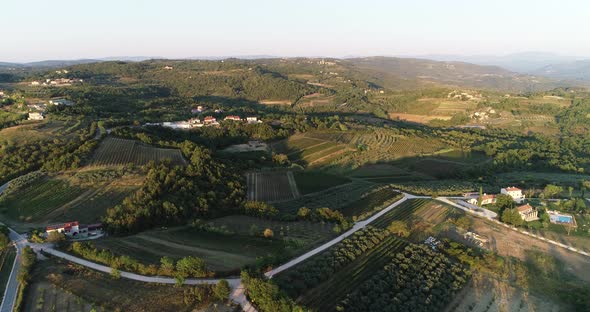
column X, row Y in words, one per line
column 311, row 151
column 355, row 148
column 333, row 198
column 118, row 152
column 271, row 186
column 325, row 296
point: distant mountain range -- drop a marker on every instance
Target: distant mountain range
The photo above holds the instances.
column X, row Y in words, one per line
column 522, row 69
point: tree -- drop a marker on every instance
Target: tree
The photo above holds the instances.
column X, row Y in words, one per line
column 254, row 230
column 304, row 213
column 166, row 266
column 191, row 266
column 115, row 273
column 464, row 222
column 480, row 198
column 222, row 290
column 503, row 202
column 551, row 190
column 268, row 233
column 511, row 216
column 57, row 238
column 400, row 228
column 570, row 191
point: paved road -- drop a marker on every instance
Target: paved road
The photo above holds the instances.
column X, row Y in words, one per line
column 11, row 290
column 357, row 226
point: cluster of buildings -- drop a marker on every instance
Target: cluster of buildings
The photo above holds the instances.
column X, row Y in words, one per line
column 75, row 230
column 37, row 111
column 56, row 82
column 207, row 121
column 526, row 211
column 487, row 199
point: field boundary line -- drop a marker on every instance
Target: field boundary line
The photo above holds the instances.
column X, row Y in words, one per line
column 338, row 152
column 309, row 147
column 293, row 185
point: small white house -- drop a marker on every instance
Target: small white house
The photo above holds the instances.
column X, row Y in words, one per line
column 252, row 119
column 485, row 199
column 36, row 116
column 60, row 102
column 513, row 192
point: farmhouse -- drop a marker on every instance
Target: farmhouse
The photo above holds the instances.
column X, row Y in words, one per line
column 36, row 116
column 197, row 110
column 209, row 120
column 485, row 199
column 75, row 230
column 513, row 192
column 232, row 117
column 60, row 102
column 177, row 124
column 527, row 212
column 252, row 119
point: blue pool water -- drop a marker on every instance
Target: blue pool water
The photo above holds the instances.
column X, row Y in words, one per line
column 561, row 219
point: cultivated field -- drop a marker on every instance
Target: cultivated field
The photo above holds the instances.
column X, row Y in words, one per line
column 82, row 195
column 333, row 198
column 223, row 253
column 311, row 151
column 272, row 186
column 304, row 234
column 7, row 257
column 344, row 151
column 325, row 296
column 60, row 286
column 44, row 130
column 316, row 181
column 120, row 152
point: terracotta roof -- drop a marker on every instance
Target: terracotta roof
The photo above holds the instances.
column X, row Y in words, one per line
column 513, row 189
column 67, row 225
column 491, row 196
column 524, row 207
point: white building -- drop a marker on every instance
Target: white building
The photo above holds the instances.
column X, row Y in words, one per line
column 485, row 199
column 513, row 192
column 60, row 102
column 177, row 124
column 75, row 230
column 36, row 116
column 252, row 119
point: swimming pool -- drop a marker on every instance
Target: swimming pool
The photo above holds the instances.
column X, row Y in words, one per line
column 561, row 219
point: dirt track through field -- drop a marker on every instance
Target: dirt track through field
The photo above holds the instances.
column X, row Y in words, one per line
column 211, row 253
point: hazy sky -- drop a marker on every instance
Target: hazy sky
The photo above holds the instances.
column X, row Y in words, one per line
column 71, row 29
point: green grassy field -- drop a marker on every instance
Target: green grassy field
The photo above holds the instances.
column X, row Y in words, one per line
column 81, row 195
column 221, row 252
column 315, row 181
column 305, row 234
